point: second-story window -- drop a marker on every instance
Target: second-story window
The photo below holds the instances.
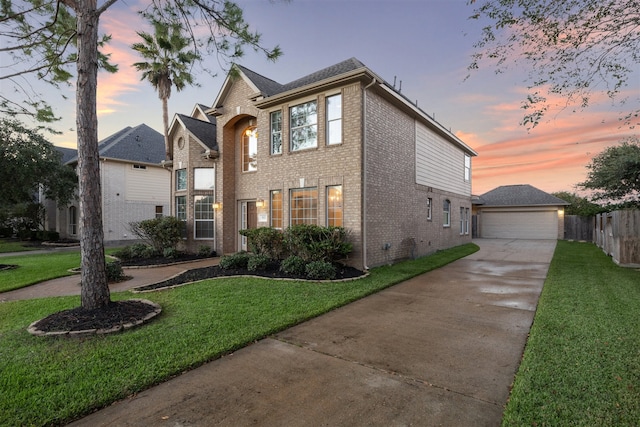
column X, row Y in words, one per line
column 181, row 179
column 334, row 119
column 304, row 126
column 467, row 167
column 203, row 179
column 276, row 132
column 249, row 150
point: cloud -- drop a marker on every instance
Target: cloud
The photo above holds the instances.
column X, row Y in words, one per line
column 113, row 87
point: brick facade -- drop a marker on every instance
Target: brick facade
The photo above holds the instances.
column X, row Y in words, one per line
column 383, row 207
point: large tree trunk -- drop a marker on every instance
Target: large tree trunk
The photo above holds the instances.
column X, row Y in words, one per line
column 95, row 290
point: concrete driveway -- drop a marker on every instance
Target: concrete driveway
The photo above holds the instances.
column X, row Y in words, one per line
column 437, row 350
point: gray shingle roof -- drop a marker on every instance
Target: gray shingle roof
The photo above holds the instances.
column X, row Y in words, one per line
column 343, row 67
column 67, row 153
column 138, row 144
column 204, row 131
column 270, row 87
column 519, row 195
column 265, row 85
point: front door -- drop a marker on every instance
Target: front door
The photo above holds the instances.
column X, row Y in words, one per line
column 248, row 220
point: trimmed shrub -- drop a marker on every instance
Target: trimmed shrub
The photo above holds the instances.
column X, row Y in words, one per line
column 140, row 250
column 205, row 251
column 320, row 270
column 170, row 252
column 160, row 233
column 293, row 265
column 237, row 260
column 124, row 253
column 316, row 243
column 265, row 241
column 114, row 271
column 258, row 262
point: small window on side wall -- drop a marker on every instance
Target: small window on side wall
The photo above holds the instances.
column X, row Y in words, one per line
column 429, row 208
column 446, row 213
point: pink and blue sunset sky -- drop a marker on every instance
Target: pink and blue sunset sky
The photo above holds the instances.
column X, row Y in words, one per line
column 426, row 44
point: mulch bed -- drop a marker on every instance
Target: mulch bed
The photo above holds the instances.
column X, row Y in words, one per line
column 273, row 272
column 146, row 262
column 7, row 267
column 80, row 319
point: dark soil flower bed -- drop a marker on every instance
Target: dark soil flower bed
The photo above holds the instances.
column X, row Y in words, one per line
column 273, row 272
column 7, row 267
column 80, row 319
column 147, row 262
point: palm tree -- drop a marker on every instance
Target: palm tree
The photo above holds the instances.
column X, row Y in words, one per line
column 168, row 64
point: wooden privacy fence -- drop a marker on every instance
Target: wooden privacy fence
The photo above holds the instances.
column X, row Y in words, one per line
column 618, row 234
column 578, row 227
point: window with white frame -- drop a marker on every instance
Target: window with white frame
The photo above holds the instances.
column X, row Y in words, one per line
column 303, row 206
column 250, row 150
column 461, row 220
column 181, row 213
column 446, row 213
column 334, row 206
column 203, row 216
column 73, row 220
column 429, row 208
column 276, row 209
column 204, row 179
column 159, row 211
column 466, row 221
column 334, row 119
column 276, row 132
column 304, row 126
column 467, row 167
column 181, row 179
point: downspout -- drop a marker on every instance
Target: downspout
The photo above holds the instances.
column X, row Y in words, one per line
column 364, row 174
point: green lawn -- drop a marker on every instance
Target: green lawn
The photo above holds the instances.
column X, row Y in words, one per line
column 36, row 268
column 10, row 245
column 54, row 380
column 581, row 365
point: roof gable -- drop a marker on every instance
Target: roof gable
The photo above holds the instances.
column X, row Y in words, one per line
column 204, row 132
column 140, row 144
column 519, row 195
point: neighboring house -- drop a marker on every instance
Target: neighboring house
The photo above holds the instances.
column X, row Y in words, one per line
column 53, row 221
column 519, row 212
column 339, row 147
column 134, row 185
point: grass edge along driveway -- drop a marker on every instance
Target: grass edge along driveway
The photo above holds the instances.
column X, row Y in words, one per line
column 581, row 364
column 55, row 380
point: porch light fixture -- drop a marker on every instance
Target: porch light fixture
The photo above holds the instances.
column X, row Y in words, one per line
column 216, row 205
column 259, row 203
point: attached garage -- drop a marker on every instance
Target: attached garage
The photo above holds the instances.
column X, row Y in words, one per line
column 519, row 212
column 513, row 224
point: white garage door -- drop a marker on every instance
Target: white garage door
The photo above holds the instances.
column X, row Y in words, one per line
column 519, row 225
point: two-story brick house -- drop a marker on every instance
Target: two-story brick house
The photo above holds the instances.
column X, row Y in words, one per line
column 337, row 147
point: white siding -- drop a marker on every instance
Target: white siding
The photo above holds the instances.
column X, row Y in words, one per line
column 148, row 185
column 439, row 164
column 130, row 195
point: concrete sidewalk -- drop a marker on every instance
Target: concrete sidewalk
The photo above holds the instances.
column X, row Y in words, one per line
column 437, row 350
column 70, row 285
